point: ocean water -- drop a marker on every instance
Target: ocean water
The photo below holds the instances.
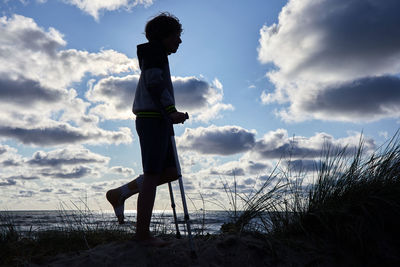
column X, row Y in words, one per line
column 202, row 222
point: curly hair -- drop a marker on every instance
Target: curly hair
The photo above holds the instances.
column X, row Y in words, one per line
column 161, row 26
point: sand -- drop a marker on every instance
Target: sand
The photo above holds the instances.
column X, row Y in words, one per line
column 220, row 250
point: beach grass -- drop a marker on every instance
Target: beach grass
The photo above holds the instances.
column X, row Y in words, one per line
column 19, row 248
column 348, row 215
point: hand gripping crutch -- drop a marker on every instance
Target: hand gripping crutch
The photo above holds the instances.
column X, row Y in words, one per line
column 185, row 210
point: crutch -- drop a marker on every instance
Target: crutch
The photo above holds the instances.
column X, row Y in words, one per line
column 185, row 210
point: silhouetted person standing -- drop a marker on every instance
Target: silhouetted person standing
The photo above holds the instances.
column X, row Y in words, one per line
column 154, row 103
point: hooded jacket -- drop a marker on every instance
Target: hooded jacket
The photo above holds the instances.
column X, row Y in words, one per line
column 154, row 89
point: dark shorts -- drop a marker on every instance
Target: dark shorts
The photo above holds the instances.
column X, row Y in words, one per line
column 155, row 145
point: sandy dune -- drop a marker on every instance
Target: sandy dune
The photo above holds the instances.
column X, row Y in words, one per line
column 221, row 250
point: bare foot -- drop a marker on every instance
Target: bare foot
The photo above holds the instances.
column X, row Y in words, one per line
column 114, row 197
column 153, row 242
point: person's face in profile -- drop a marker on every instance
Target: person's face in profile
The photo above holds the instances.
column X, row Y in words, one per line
column 171, row 43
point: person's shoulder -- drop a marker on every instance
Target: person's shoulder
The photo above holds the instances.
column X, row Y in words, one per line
column 151, row 49
column 152, row 53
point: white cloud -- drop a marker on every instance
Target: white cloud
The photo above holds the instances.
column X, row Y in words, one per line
column 278, row 144
column 66, row 156
column 192, row 93
column 123, row 170
column 94, row 7
column 298, row 156
column 365, row 99
column 328, row 50
column 48, row 177
column 274, row 145
column 67, row 163
column 55, row 133
column 115, row 95
column 241, row 167
column 223, row 140
column 33, row 53
column 55, row 192
column 9, row 158
column 201, row 99
column 36, row 106
column 7, row 182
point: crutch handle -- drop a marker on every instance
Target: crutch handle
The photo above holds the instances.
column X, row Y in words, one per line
column 186, row 116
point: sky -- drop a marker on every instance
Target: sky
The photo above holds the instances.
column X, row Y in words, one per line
column 264, row 82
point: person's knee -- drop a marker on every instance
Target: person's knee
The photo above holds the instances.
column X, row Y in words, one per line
column 171, row 175
column 174, row 177
column 174, row 174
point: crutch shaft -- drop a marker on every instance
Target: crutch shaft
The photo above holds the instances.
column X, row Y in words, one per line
column 185, row 209
column 171, row 195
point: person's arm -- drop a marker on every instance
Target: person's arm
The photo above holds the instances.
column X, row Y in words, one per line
column 154, row 63
column 161, row 96
column 157, row 87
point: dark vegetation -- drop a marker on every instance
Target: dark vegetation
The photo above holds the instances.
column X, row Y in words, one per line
column 348, row 217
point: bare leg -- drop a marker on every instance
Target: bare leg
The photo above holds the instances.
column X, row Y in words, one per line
column 145, row 205
column 134, row 185
column 168, row 175
column 118, row 195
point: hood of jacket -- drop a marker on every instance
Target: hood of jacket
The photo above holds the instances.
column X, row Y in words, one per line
column 151, row 54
